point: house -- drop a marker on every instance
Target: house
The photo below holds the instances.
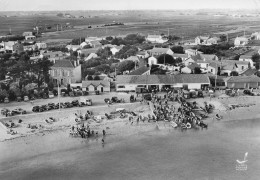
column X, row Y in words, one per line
column 30, row 38
column 41, row 45
column 248, row 57
column 255, row 36
column 186, row 81
column 214, row 67
column 116, row 49
column 82, row 45
column 53, row 55
column 92, row 86
column 29, row 47
column 87, row 52
column 192, row 52
column 73, row 47
column 95, row 44
column 182, row 56
column 152, row 60
column 227, row 66
column 65, row 72
column 144, row 70
column 201, row 40
column 133, row 58
column 156, row 39
column 240, row 41
column 89, row 39
column 213, row 40
column 243, row 82
column 142, row 54
column 91, row 56
column 186, row 70
column 188, row 61
column 8, row 46
column 160, row 51
column 27, row 34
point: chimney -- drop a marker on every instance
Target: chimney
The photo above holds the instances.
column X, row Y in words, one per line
column 75, row 63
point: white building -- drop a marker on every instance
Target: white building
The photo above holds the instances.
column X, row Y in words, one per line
column 156, row 39
column 241, row 41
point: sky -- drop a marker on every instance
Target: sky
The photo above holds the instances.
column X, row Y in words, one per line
column 49, row 5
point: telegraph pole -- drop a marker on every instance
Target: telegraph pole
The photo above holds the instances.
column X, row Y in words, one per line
column 59, row 95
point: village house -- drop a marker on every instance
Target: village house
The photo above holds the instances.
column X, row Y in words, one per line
column 248, row 58
column 243, row 82
column 8, row 46
column 201, row 40
column 156, row 39
column 73, row 47
column 133, row 58
column 186, row 81
column 116, row 49
column 152, row 60
column 53, row 55
column 192, row 52
column 249, row 72
column 91, row 56
column 240, row 41
column 182, row 56
column 30, row 38
column 93, row 86
column 142, row 54
column 41, row 45
column 27, row 34
column 89, row 39
column 65, row 72
column 190, row 69
column 87, row 52
column 160, row 51
column 18, row 48
column 255, row 36
column 95, row 44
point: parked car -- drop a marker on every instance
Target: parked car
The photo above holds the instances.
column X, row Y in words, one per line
column 18, row 111
column 97, row 92
column 43, row 108
column 51, row 105
column 26, row 98
column 19, row 99
column 36, row 109
column 6, row 112
column 248, row 92
column 68, row 105
column 75, row 103
column 51, row 95
column 115, row 100
column 6, row 100
column 147, row 97
column 89, row 102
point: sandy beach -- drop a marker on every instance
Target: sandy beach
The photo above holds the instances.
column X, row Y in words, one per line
column 138, row 151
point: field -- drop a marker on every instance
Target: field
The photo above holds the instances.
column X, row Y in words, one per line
column 186, row 25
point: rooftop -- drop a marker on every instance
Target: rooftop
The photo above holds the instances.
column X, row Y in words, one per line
column 96, row 83
column 63, row 64
column 140, row 71
column 244, row 79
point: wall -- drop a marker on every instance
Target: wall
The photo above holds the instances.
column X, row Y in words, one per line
column 128, row 87
column 77, row 74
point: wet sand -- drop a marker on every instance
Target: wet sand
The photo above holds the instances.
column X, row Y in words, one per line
column 153, row 154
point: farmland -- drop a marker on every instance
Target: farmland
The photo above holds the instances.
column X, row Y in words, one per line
column 186, row 25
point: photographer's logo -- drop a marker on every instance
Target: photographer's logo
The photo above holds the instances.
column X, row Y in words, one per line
column 241, row 164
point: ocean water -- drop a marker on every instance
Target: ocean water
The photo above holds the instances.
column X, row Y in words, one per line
column 159, row 154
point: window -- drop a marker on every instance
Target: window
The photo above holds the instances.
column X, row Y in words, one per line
column 121, row 86
column 242, row 67
column 211, row 70
column 95, row 88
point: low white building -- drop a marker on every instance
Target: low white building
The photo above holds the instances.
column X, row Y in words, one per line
column 30, row 38
column 156, row 39
column 152, row 60
column 240, row 41
column 92, row 86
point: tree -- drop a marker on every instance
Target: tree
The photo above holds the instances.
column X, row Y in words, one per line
column 197, row 70
column 126, row 51
column 103, row 68
column 223, row 37
column 256, row 60
column 177, row 49
column 89, row 78
column 125, row 65
column 166, row 59
column 109, row 38
column 97, row 78
column 104, row 53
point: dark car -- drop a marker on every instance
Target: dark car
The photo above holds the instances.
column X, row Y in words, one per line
column 18, row 111
column 36, row 109
column 43, row 108
column 68, row 105
column 51, row 105
column 75, row 103
column 147, row 97
column 6, row 112
column 115, row 100
column 248, row 92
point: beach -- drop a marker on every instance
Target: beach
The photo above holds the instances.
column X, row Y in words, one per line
column 140, row 151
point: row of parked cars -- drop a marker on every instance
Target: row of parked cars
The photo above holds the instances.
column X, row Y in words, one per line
column 50, row 106
column 17, row 111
